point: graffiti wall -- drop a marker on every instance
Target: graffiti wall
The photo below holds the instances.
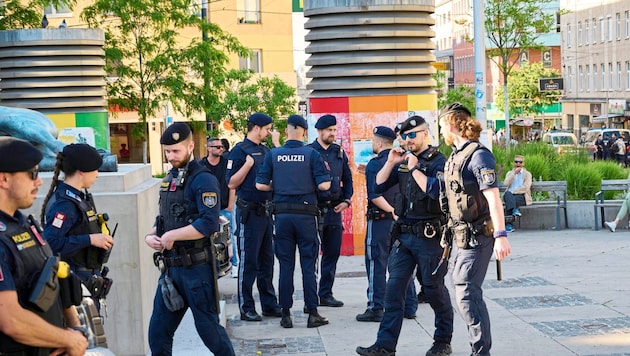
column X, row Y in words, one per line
column 86, row 127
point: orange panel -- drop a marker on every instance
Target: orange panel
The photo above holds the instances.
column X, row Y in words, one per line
column 366, row 104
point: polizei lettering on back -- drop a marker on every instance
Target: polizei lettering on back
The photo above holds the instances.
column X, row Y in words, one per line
column 290, row 158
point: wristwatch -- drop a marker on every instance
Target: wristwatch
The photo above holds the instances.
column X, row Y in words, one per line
column 347, row 201
column 500, row 233
column 413, row 169
column 83, row 330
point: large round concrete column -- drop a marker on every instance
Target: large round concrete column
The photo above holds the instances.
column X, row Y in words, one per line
column 370, row 65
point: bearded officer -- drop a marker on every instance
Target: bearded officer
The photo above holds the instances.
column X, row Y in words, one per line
column 188, row 217
column 29, row 326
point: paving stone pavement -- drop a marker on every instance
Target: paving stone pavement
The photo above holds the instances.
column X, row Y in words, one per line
column 563, row 293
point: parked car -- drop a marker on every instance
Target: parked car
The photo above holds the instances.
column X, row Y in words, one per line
column 591, row 137
column 561, row 141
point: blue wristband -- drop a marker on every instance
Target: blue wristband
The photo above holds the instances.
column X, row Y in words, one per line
column 500, row 233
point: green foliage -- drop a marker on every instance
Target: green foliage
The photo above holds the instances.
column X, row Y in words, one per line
column 18, row 14
column 463, row 94
column 610, row 170
column 523, row 95
column 583, row 181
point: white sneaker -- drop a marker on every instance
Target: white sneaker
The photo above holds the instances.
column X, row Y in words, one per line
column 611, row 225
column 234, row 272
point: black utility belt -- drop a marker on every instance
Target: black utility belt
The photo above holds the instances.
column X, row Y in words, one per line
column 465, row 234
column 189, row 259
column 377, row 214
column 295, row 208
column 259, row 208
column 426, row 228
column 329, row 203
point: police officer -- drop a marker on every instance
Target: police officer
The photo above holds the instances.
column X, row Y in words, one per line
column 332, row 203
column 254, row 225
column 25, row 329
column 475, row 207
column 188, row 217
column 380, row 216
column 296, row 172
column 71, row 224
column 416, row 238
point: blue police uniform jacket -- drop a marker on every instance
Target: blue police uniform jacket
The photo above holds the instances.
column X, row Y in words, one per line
column 247, row 190
column 23, row 253
column 194, row 202
column 419, row 205
column 70, row 219
column 295, row 171
column 371, row 170
column 341, row 183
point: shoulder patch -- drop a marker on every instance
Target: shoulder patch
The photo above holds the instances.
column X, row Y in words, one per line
column 209, row 199
column 488, row 176
column 229, row 164
column 3, row 227
column 59, row 219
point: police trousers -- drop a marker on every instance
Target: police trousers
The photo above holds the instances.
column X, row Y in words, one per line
column 469, row 271
column 331, row 249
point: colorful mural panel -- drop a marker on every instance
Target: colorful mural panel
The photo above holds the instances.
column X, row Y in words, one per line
column 95, row 120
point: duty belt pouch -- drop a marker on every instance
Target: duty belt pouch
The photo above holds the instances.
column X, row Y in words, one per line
column 46, row 287
column 399, row 204
column 461, row 235
column 244, row 213
column 172, row 299
column 70, row 290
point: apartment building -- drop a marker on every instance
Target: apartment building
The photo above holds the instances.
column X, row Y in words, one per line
column 596, row 64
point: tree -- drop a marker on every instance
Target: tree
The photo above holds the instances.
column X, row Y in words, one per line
column 523, row 94
column 512, row 27
column 462, row 94
column 15, row 14
column 153, row 64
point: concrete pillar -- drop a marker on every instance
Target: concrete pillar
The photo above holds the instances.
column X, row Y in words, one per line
column 370, row 65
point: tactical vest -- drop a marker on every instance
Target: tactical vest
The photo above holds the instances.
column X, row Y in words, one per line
column 334, row 158
column 30, row 252
column 247, row 190
column 292, row 167
column 416, row 203
column 87, row 257
column 175, row 210
column 464, row 202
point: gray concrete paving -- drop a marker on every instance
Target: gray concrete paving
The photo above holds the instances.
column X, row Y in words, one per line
column 562, row 293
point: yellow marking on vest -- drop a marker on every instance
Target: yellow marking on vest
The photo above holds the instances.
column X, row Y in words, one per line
column 21, row 237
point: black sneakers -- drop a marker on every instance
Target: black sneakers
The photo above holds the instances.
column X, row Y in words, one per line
column 315, row 320
column 440, row 349
column 374, row 350
column 371, row 315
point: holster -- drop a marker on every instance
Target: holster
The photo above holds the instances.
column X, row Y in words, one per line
column 98, row 286
column 378, row 214
column 46, row 288
column 70, row 290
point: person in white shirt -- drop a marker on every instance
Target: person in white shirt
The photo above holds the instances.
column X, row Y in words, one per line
column 518, row 193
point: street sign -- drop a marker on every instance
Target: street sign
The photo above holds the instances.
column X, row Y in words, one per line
column 549, row 84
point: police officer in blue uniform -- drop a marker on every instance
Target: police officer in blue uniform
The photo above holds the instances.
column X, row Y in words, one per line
column 30, row 325
column 380, row 216
column 332, row 203
column 254, row 224
column 71, row 223
column 476, row 220
column 182, row 235
column 296, row 172
column 416, row 238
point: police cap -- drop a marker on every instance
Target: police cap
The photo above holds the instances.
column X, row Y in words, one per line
column 397, row 127
column 259, row 119
column 326, row 121
column 176, row 133
column 82, row 157
column 411, row 123
column 17, row 155
column 297, row 120
column 385, row 132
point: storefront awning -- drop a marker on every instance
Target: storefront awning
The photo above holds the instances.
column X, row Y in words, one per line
column 603, row 118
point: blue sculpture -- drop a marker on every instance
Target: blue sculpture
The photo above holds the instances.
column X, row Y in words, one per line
column 35, row 127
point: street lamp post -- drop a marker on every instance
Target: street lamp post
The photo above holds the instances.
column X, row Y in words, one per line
column 206, row 71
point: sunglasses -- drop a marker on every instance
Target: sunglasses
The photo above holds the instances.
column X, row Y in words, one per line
column 411, row 135
column 218, row 146
column 34, row 173
column 518, row 161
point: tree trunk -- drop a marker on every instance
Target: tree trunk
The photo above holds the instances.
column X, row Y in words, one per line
column 506, row 109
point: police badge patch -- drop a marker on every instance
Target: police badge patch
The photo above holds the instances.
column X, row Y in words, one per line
column 488, row 176
column 209, row 199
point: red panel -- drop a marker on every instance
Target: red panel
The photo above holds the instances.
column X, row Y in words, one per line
column 328, row 105
column 347, row 239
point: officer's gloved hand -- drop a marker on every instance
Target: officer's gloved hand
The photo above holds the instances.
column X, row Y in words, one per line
column 172, row 299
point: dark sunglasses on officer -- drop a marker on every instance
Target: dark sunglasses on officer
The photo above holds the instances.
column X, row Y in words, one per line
column 34, row 173
column 412, row 134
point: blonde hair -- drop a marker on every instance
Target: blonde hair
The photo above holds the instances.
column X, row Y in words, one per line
column 458, row 116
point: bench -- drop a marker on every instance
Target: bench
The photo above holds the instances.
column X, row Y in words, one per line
column 601, row 203
column 559, row 188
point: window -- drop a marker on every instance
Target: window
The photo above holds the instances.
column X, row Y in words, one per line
column 594, row 22
column 558, row 23
column 602, row 30
column 627, row 20
column 579, row 37
column 248, row 11
column 570, row 74
column 618, row 26
column 610, row 76
column 610, row 28
column 594, row 77
column 603, row 68
column 60, row 9
column 580, row 79
column 253, row 63
column 569, row 35
column 618, row 75
column 587, row 31
column 587, row 82
column 627, row 75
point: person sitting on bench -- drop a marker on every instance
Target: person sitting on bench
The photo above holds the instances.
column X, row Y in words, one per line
column 625, row 207
column 518, row 193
